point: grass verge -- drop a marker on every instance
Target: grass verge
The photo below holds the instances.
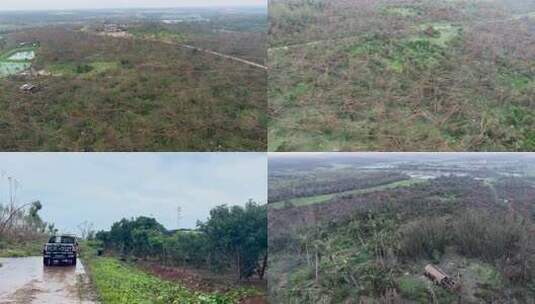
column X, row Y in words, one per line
column 119, row 282
column 21, row 249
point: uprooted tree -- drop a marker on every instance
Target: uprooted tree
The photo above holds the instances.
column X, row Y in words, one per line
column 22, row 222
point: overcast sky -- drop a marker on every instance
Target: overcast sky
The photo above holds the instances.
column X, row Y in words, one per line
column 96, row 4
column 103, row 188
column 274, row 155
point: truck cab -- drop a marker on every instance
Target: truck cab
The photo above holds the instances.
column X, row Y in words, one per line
column 60, row 249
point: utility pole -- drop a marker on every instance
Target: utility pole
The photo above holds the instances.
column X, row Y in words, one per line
column 2, row 175
column 16, row 185
column 178, row 216
column 10, row 190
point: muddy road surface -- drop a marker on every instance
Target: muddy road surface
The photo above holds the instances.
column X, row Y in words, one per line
column 26, row 280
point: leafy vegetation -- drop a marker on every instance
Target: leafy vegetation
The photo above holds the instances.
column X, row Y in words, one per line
column 118, row 282
column 157, row 32
column 309, row 186
column 473, row 222
column 233, row 238
column 223, row 261
column 401, row 76
column 22, row 231
column 140, row 92
column 17, row 249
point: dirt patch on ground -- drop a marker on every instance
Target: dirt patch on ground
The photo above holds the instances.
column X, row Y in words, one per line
column 205, row 281
column 254, row 300
column 185, row 277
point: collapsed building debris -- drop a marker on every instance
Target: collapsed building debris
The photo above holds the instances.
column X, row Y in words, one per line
column 114, row 28
column 29, row 88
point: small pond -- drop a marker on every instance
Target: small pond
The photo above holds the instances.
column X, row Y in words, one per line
column 12, row 68
column 24, row 55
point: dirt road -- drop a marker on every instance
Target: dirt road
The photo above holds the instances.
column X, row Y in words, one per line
column 234, row 58
column 26, row 280
column 126, row 35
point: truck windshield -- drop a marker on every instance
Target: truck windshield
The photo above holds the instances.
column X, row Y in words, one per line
column 62, row 239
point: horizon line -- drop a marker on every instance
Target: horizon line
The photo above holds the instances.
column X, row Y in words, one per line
column 133, row 8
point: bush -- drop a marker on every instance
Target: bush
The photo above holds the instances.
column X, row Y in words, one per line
column 480, row 234
column 84, row 68
column 425, row 238
column 413, row 289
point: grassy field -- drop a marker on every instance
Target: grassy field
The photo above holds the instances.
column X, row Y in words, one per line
column 401, row 75
column 318, row 199
column 87, row 71
column 21, row 249
column 159, row 34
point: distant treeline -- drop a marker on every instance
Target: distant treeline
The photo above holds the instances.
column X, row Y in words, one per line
column 232, row 239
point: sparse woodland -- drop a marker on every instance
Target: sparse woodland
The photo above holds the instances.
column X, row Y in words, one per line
column 22, row 231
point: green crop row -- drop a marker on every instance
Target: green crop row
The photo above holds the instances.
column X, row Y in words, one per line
column 117, row 282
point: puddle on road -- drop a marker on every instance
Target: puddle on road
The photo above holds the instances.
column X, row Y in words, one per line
column 26, row 280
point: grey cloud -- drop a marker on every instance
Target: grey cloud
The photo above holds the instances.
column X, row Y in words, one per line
column 93, row 4
column 103, row 188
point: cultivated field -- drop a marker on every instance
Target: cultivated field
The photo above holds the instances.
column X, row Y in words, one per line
column 472, row 216
column 401, row 75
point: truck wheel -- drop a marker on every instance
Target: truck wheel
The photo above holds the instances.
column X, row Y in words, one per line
column 46, row 262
